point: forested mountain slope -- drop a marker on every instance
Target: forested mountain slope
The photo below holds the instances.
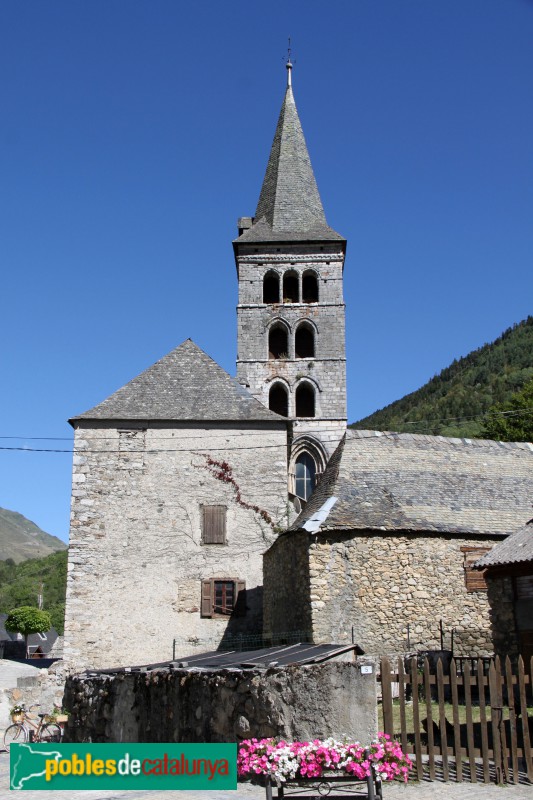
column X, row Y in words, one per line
column 453, row 403
column 21, row 584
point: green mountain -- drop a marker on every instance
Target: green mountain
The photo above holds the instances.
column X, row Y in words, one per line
column 21, row 539
column 453, row 403
column 21, row 584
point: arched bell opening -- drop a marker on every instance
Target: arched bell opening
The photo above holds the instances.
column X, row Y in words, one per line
column 278, row 341
column 278, row 399
column 304, row 341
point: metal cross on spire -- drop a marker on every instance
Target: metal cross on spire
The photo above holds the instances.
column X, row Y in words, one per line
column 289, row 64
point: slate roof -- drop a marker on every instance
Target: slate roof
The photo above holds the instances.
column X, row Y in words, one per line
column 516, row 549
column 400, row 481
column 185, row 385
column 289, row 207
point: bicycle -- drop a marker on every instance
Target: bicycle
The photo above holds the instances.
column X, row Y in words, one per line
column 28, row 729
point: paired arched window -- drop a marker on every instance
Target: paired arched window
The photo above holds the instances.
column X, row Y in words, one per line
column 305, row 400
column 304, row 341
column 271, row 288
column 278, row 341
column 305, row 476
column 278, row 399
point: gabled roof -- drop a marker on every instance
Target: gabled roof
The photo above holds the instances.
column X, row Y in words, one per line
column 185, row 385
column 289, row 207
column 409, row 482
column 516, row 549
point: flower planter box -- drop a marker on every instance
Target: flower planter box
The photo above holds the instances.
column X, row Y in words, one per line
column 17, row 717
column 61, row 719
column 322, row 769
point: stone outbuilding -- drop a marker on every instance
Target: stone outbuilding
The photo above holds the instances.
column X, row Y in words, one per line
column 508, row 572
column 384, row 549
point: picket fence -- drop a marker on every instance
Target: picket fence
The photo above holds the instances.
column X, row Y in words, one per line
column 466, row 721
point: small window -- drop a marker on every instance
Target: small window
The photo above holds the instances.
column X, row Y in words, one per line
column 474, row 578
column 278, row 399
column 213, row 524
column 309, row 288
column 278, row 342
column 291, row 289
column 223, row 597
column 305, row 400
column 305, row 478
column 271, row 288
column 304, row 341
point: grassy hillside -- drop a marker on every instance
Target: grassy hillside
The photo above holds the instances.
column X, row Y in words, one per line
column 453, row 402
column 20, row 585
column 21, row 539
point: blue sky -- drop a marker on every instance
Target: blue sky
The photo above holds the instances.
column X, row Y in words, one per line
column 133, row 134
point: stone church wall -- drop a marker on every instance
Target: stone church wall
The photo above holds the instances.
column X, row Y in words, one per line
column 371, row 586
column 295, row 703
column 136, row 558
column 287, row 606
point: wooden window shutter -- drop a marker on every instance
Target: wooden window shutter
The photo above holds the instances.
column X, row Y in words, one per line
column 207, row 598
column 240, row 602
column 474, row 578
column 214, row 524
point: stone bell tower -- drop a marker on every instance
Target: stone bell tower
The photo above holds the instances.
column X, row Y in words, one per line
column 291, row 314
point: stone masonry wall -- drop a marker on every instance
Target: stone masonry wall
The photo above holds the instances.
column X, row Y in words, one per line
column 500, row 596
column 286, row 606
column 136, row 559
column 326, row 371
column 42, row 687
column 296, row 702
column 373, row 585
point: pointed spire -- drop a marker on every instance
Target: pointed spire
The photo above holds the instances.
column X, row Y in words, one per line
column 289, row 199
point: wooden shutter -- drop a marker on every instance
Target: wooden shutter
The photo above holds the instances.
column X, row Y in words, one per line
column 207, row 598
column 474, row 578
column 214, row 525
column 240, row 599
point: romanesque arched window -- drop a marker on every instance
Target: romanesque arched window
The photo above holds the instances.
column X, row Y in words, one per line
column 278, row 399
column 291, row 288
column 278, row 341
column 309, row 287
column 271, row 287
column 305, row 476
column 305, row 400
column 304, row 341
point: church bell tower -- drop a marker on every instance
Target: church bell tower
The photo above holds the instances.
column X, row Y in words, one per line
column 290, row 314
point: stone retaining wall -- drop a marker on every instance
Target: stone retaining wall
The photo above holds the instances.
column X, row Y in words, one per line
column 296, row 702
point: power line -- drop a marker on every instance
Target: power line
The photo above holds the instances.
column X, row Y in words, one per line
column 152, row 451
column 428, row 423
column 433, row 420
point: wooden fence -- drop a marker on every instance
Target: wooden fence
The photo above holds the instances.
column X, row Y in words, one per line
column 470, row 723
